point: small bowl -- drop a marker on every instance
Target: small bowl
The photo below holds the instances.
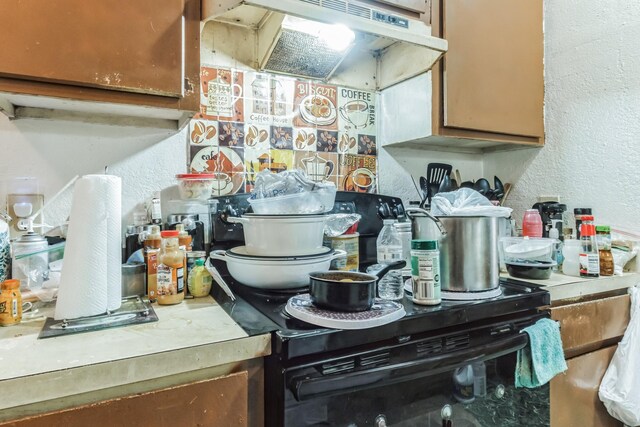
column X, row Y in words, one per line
column 195, row 186
column 534, row 271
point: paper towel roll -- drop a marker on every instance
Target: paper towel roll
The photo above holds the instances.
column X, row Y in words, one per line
column 91, row 274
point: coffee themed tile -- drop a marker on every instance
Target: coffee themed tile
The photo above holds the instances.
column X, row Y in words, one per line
column 304, row 139
column 256, row 136
column 327, row 141
column 357, row 111
column 255, row 161
column 221, row 94
column 281, row 138
column 315, row 105
column 281, row 160
column 358, row 173
column 347, row 143
column 202, row 158
column 228, row 167
column 203, row 132
column 318, row 166
column 231, row 134
column 268, row 99
column 367, row 145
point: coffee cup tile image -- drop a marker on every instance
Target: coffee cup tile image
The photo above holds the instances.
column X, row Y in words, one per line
column 358, row 173
column 203, row 132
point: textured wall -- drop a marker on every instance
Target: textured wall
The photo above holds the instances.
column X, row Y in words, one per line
column 55, row 151
column 592, row 115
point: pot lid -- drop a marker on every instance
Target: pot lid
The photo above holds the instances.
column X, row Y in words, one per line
column 241, row 252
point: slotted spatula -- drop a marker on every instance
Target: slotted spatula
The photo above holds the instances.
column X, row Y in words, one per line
column 435, row 174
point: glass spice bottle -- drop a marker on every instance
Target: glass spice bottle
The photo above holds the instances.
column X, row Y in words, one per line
column 603, row 237
column 10, row 303
column 589, row 259
column 152, row 243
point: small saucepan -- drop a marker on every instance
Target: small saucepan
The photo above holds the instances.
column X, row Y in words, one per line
column 346, row 290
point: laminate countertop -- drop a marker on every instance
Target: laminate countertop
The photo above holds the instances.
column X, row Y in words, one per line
column 194, row 336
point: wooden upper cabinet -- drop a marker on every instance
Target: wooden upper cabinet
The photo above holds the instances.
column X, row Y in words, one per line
column 489, row 85
column 142, row 52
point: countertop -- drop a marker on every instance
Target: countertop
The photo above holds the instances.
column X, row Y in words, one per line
column 195, row 335
column 563, row 287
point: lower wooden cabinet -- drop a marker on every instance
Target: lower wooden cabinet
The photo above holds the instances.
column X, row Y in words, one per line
column 220, row 402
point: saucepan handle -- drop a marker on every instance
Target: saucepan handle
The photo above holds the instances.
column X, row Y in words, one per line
column 219, row 255
column 338, row 253
column 237, row 220
column 421, row 211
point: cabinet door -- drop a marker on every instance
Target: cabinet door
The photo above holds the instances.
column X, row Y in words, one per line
column 218, row 402
column 492, row 74
column 574, row 395
column 123, row 45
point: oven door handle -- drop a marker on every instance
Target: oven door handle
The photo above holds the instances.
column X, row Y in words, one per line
column 309, row 387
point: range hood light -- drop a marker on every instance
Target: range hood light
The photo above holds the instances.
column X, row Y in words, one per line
column 336, row 36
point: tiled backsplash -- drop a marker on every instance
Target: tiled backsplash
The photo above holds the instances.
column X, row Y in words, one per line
column 252, row 121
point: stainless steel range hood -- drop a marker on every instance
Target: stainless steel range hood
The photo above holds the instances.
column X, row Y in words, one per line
column 269, row 35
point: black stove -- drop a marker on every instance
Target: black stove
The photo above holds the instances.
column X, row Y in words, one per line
column 418, row 370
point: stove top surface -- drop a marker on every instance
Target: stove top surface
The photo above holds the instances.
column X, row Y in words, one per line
column 294, row 337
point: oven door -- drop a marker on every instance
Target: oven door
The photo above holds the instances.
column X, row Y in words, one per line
column 472, row 386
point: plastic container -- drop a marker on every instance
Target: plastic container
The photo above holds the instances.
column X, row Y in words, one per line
column 295, row 204
column 526, row 249
column 389, row 244
column 170, row 272
column 425, row 272
column 535, row 271
column 195, row 186
column 134, row 279
column 571, row 253
column 532, row 223
column 200, row 280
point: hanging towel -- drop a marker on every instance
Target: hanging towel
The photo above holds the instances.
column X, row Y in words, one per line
column 543, row 358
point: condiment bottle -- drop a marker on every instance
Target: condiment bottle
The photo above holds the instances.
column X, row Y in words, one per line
column 579, row 213
column 532, row 223
column 152, row 244
column 589, row 259
column 603, row 237
column 425, row 272
column 184, row 241
column 10, row 303
column 200, row 280
column 170, row 269
column 571, row 254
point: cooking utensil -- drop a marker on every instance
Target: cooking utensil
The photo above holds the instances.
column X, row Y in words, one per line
column 275, row 273
column 435, row 174
column 457, row 176
column 507, row 191
column 424, row 186
column 467, row 184
column 482, row 186
column 345, row 290
column 498, row 188
column 446, row 185
column 282, row 235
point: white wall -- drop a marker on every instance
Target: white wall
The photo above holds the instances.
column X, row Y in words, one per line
column 592, row 115
column 55, row 151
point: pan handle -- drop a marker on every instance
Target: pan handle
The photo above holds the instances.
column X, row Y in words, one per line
column 338, row 253
column 410, row 211
column 219, row 255
column 237, row 220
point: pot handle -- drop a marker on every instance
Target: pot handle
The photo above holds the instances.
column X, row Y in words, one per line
column 438, row 223
column 338, row 253
column 219, row 255
column 237, row 220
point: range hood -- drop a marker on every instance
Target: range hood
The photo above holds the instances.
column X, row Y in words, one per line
column 384, row 48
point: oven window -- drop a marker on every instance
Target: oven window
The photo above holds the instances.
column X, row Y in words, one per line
column 478, row 395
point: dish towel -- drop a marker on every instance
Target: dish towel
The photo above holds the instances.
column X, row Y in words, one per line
column 543, row 358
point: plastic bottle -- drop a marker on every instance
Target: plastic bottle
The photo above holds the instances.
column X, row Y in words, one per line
column 200, row 280
column 571, row 255
column 532, row 223
column 479, row 379
column 589, row 259
column 557, row 248
column 603, row 237
column 170, row 269
column 155, row 212
column 425, row 272
column 463, row 384
column 389, row 244
column 152, row 243
column 404, row 231
column 184, row 241
column 579, row 214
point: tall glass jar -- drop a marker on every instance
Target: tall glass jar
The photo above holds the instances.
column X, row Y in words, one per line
column 170, row 274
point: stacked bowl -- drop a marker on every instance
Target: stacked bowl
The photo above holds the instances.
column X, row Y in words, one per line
column 528, row 258
column 283, row 242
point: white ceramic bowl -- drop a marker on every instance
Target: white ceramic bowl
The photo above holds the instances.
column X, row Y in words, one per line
column 275, row 273
column 282, row 235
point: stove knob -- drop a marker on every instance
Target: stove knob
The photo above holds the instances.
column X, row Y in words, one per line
column 381, row 421
column 446, row 412
column 384, row 211
column 398, row 211
column 227, row 212
column 499, row 392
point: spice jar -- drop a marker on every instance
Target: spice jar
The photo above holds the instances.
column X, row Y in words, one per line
column 184, row 241
column 603, row 237
column 170, row 275
column 589, row 259
column 10, row 303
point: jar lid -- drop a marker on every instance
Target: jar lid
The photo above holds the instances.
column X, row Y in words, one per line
column 11, row 284
column 404, row 226
column 424, row 245
column 603, row 228
column 199, row 262
column 587, row 217
column 587, row 230
column 170, row 233
column 195, row 176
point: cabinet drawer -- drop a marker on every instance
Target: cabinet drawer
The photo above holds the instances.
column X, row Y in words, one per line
column 217, row 402
column 587, row 326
